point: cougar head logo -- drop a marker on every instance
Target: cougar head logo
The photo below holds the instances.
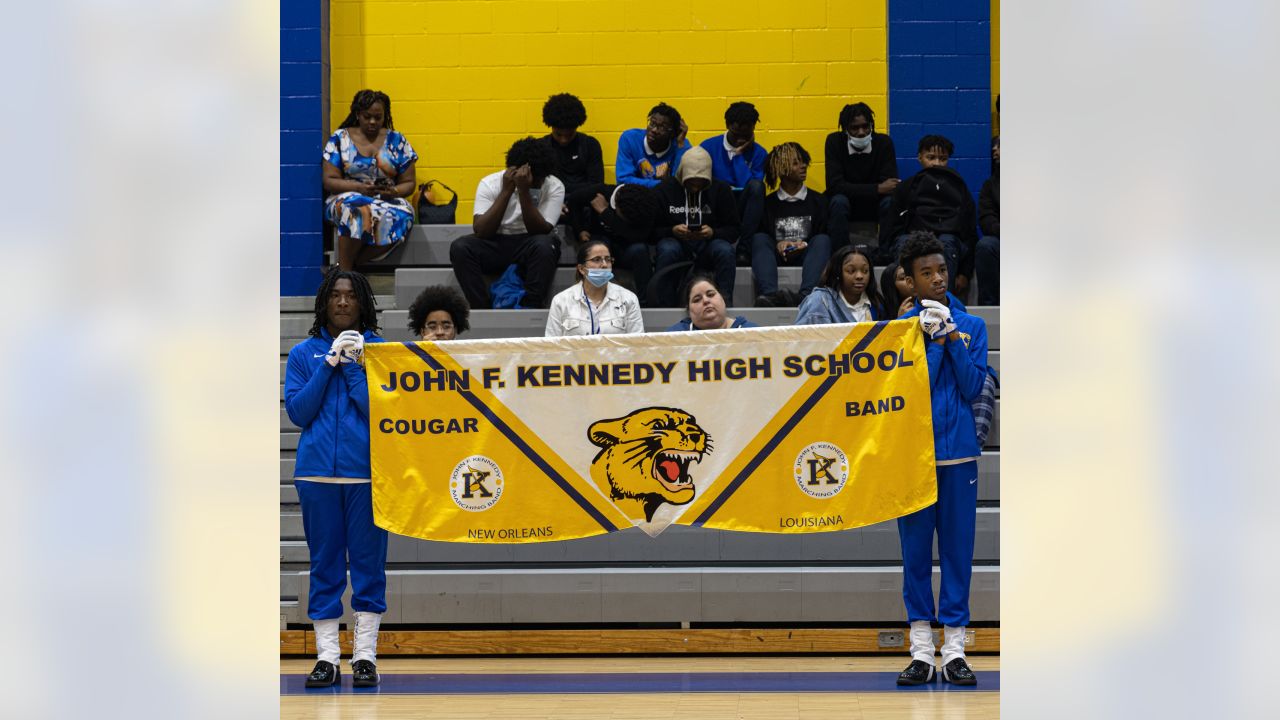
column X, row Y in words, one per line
column 644, row 459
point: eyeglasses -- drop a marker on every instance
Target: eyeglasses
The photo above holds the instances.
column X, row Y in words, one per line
column 662, row 124
column 606, row 260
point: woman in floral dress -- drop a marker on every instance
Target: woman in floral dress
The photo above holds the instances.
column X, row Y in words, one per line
column 368, row 173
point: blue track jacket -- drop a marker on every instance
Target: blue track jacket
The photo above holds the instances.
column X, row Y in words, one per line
column 957, row 371
column 743, row 168
column 331, row 405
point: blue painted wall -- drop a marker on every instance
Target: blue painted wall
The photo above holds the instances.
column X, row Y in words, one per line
column 303, row 81
column 940, row 82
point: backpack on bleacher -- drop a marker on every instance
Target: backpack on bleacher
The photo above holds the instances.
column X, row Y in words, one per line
column 936, row 201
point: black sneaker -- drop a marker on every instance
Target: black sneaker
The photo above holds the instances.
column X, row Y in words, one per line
column 364, row 674
column 958, row 672
column 764, row 300
column 918, row 672
column 325, row 674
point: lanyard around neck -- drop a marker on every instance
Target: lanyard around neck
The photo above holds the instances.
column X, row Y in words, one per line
column 591, row 313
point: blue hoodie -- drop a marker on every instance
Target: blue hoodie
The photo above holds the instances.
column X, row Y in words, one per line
column 331, row 405
column 743, row 168
column 957, row 372
column 636, row 167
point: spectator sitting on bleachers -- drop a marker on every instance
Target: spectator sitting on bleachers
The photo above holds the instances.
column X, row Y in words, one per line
column 895, row 290
column 738, row 160
column 697, row 220
column 368, row 171
column 579, row 160
column 846, row 292
column 794, row 231
column 439, row 313
column 937, row 200
column 515, row 214
column 326, row 394
column 623, row 216
column 594, row 305
column 649, row 154
column 956, row 349
column 705, row 304
column 862, row 171
column 987, row 255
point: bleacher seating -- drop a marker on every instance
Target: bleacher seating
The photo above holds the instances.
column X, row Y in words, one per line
column 684, row 575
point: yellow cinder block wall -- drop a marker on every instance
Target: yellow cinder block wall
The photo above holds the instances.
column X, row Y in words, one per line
column 468, row 77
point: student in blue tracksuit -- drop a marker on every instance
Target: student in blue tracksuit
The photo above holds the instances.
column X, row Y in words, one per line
column 956, row 349
column 325, row 394
column 738, row 160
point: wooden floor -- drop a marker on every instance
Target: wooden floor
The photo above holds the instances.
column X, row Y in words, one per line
column 646, row 706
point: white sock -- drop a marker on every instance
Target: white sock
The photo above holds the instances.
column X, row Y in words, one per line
column 327, row 640
column 366, row 641
column 922, row 641
column 952, row 643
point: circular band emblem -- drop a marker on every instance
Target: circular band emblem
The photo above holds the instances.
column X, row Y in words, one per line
column 821, row 470
column 476, row 483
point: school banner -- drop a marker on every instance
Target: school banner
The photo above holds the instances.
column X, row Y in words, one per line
column 783, row 429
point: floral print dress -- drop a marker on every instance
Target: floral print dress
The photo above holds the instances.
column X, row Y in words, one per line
column 377, row 221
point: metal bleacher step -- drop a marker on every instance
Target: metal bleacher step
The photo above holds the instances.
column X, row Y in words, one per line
column 643, row 594
column 411, row 281
column 428, row 246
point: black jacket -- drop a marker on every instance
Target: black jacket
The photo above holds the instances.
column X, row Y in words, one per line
column 716, row 202
column 610, row 226
column 989, row 206
column 805, row 218
column 857, row 175
column 938, row 200
column 579, row 163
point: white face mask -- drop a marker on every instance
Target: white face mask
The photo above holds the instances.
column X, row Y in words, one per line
column 861, row 143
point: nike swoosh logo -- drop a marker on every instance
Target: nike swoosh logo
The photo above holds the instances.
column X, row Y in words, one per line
column 973, row 481
column 319, row 356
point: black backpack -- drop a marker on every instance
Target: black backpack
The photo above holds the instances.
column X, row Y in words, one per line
column 936, row 200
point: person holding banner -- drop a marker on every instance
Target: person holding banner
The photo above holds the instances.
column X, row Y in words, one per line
column 705, row 304
column 439, row 313
column 956, row 349
column 846, row 291
column 325, row 394
column 594, row 306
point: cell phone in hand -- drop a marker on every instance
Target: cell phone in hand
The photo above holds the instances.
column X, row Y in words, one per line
column 695, row 228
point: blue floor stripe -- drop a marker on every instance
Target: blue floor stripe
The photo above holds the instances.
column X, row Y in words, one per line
column 567, row 683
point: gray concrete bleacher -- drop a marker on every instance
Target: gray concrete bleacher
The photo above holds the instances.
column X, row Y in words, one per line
column 686, row 574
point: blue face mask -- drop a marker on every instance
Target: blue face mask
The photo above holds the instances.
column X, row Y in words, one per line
column 599, row 276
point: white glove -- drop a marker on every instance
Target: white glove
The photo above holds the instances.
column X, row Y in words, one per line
column 353, row 346
column 334, row 356
column 935, row 319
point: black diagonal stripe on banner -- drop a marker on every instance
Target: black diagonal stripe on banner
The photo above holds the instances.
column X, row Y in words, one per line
column 786, row 428
column 520, row 444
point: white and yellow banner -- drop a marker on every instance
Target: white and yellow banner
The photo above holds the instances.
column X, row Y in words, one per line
column 782, row 429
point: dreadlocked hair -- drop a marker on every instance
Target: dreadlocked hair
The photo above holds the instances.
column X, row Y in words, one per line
column 439, row 297
column 669, row 113
column 364, row 294
column 365, row 100
column 849, row 112
column 637, row 205
column 780, row 160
